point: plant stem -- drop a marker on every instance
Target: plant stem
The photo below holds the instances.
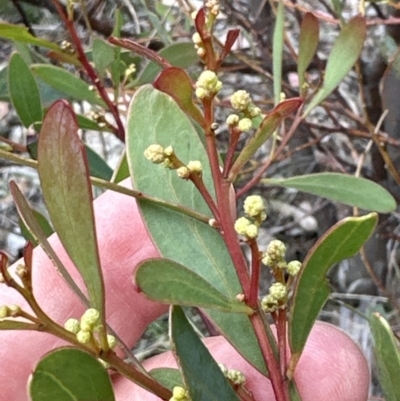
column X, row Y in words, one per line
column 255, row 274
column 69, row 24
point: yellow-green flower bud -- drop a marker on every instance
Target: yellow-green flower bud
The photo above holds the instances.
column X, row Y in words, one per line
column 195, row 166
column 201, row 52
column 168, row 151
column 237, row 377
column 183, row 172
column 155, row 153
column 83, row 336
column 293, row 267
column 232, row 120
column 14, row 310
column 269, row 303
column 278, row 291
column 21, row 271
column 253, row 205
column 91, row 317
column 266, row 260
column 241, row 225
column 179, row 393
column 252, row 231
column 4, row 311
column 240, row 100
column 209, row 83
column 254, row 111
column 196, row 38
column 72, row 325
column 244, row 124
column 276, row 250
column 112, row 341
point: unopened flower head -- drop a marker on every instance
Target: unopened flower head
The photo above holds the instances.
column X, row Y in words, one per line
column 240, row 100
column 278, row 291
column 207, row 84
column 179, row 394
column 245, row 124
column 112, row 341
column 168, row 151
column 155, row 153
column 21, row 271
column 236, row 376
column 90, row 317
column 241, row 225
column 83, row 336
column 254, row 205
column 276, row 251
column 253, row 111
column 14, row 310
column 72, row 325
column 269, row 303
column 252, row 231
column 196, row 38
column 195, row 166
column 4, row 311
column 293, row 267
column 232, row 120
column 213, row 6
column 183, row 172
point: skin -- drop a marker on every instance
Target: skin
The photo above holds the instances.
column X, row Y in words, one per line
column 332, row 366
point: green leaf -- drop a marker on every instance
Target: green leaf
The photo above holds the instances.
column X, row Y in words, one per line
column 4, row 92
column 181, row 55
column 387, row 356
column 103, row 55
column 169, row 282
column 176, row 83
column 203, row 377
column 344, row 54
column 264, row 131
column 350, row 190
column 168, row 377
column 70, row 374
column 98, row 166
column 24, row 91
column 20, row 34
column 42, row 221
column 122, row 170
column 67, row 83
column 308, row 43
column 342, row 241
column 153, row 117
column 64, row 176
column 277, row 49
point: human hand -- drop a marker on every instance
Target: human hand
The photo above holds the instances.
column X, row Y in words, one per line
column 332, row 366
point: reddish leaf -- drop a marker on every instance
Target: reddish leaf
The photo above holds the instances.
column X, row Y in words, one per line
column 200, row 23
column 176, row 82
column 230, row 41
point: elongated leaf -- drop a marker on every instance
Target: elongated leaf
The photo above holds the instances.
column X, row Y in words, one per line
column 97, row 165
column 265, row 130
column 103, row 55
column 308, row 43
column 20, row 34
column 387, row 356
column 169, row 282
column 350, row 190
column 277, row 50
column 67, row 83
column 342, row 241
column 4, row 92
column 153, row 117
column 122, row 170
column 176, row 83
column 204, row 378
column 42, row 221
column 24, row 91
column 70, row 374
column 168, row 377
column 64, row 177
column 344, row 54
column 37, row 232
column 181, row 55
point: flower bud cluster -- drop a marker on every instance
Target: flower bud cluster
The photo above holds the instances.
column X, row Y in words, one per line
column 198, row 45
column 212, row 6
column 242, row 103
column 274, row 257
column 86, row 327
column 254, row 209
column 179, row 394
column 207, row 85
column 9, row 311
column 275, row 299
column 236, row 376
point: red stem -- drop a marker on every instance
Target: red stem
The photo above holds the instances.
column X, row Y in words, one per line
column 234, row 139
column 255, row 274
column 119, row 130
